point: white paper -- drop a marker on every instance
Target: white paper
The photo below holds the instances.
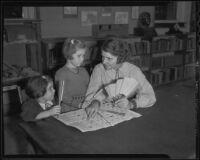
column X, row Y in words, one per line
column 103, row 119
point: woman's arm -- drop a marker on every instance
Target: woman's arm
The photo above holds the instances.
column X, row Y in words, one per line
column 145, row 96
column 95, row 85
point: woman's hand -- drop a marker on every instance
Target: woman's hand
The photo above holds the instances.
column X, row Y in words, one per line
column 108, row 102
column 93, row 108
column 123, row 102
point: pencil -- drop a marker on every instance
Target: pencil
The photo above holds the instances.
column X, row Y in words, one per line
column 61, row 93
column 114, row 112
column 103, row 118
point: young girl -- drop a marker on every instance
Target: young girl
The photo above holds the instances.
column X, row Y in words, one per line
column 75, row 77
column 41, row 92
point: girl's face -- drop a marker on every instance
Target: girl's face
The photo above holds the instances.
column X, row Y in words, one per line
column 78, row 57
column 109, row 61
column 50, row 91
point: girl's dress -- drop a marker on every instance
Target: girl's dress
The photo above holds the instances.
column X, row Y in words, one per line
column 75, row 86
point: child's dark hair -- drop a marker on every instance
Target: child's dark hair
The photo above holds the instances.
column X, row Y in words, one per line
column 70, row 46
column 36, row 86
column 117, row 47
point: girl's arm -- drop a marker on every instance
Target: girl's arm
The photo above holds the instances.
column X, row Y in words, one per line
column 47, row 113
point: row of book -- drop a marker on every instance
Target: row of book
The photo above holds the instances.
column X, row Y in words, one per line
column 166, row 75
column 172, row 74
column 142, row 62
column 55, row 56
column 167, row 44
column 189, row 71
column 167, row 61
column 190, row 57
column 191, row 43
column 138, row 46
column 142, row 47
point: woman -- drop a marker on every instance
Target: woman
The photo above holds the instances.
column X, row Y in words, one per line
column 115, row 65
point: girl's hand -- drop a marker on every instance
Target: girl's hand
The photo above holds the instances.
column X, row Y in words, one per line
column 92, row 109
column 55, row 110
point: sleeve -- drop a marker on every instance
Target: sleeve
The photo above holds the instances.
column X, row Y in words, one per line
column 145, row 96
column 59, row 76
column 94, row 86
column 87, row 77
column 30, row 111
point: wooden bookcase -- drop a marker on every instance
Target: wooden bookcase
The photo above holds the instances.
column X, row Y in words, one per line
column 25, row 32
column 166, row 59
column 173, row 58
column 21, row 54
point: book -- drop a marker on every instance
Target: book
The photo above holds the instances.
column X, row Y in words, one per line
column 102, row 119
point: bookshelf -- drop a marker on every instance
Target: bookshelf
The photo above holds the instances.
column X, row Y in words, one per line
column 173, row 58
column 25, row 31
column 22, row 46
column 165, row 59
column 190, row 56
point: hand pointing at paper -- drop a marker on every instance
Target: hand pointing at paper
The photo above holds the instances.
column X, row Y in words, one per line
column 93, row 108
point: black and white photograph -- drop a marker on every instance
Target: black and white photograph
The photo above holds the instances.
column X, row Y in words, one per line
column 100, row 81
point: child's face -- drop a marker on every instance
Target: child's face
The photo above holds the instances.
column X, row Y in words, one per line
column 49, row 95
column 78, row 57
column 109, row 61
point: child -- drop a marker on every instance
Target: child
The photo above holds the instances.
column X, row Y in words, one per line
column 41, row 92
column 75, row 77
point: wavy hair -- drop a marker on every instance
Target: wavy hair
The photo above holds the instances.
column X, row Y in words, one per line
column 117, row 47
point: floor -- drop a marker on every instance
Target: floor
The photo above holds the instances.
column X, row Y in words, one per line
column 14, row 138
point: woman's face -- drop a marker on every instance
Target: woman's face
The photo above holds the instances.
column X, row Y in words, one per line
column 78, row 57
column 108, row 60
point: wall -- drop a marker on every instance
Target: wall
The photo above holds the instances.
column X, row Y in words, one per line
column 183, row 15
column 55, row 25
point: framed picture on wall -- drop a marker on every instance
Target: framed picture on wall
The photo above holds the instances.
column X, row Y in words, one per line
column 121, row 17
column 88, row 18
column 70, row 11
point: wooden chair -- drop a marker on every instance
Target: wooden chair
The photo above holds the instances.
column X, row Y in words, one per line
column 13, row 87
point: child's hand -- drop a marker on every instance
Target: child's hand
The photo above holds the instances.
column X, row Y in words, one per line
column 55, row 110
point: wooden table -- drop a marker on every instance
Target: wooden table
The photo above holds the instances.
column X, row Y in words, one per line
column 166, row 128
